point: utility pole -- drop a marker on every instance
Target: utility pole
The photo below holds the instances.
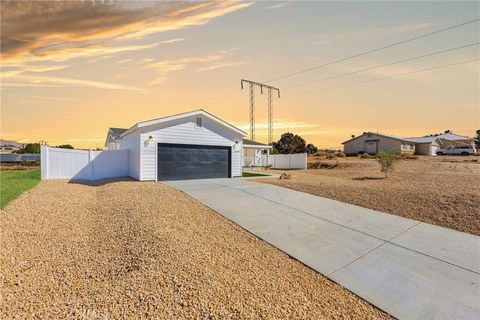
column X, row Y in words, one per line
column 252, row 85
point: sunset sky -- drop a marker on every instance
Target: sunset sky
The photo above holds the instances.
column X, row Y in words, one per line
column 70, row 70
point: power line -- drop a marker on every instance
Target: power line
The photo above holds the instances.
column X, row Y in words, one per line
column 383, row 65
column 382, row 78
column 227, row 96
column 372, row 50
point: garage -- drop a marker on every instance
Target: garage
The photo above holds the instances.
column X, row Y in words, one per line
column 182, row 161
column 189, row 145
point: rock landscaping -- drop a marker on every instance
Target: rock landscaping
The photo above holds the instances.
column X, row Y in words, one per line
column 138, row 250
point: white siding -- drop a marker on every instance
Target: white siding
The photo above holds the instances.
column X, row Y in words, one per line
column 132, row 143
column 185, row 131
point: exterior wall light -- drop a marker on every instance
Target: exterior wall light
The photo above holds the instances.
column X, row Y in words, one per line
column 236, row 146
column 149, row 141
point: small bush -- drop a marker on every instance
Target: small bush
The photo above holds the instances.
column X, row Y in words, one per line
column 341, row 154
column 330, row 156
column 408, row 156
column 387, row 160
column 365, row 156
column 321, row 154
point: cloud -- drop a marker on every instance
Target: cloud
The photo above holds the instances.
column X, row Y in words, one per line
column 363, row 34
column 63, row 29
column 172, row 41
column 40, row 81
column 279, row 5
column 163, row 68
column 60, row 54
column 219, row 66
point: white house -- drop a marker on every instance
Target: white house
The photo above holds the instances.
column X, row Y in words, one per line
column 189, row 145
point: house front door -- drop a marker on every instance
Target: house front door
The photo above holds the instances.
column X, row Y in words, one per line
column 371, row 147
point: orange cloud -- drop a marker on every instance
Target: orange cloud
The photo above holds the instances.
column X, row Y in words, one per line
column 41, row 81
column 62, row 29
column 163, row 68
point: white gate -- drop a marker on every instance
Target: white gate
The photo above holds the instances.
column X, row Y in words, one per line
column 58, row 163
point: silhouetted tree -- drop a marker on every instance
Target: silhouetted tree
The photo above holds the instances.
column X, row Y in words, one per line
column 477, row 139
column 311, row 148
column 290, row 143
column 30, row 148
column 65, row 146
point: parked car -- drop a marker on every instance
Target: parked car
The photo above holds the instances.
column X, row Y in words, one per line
column 457, row 150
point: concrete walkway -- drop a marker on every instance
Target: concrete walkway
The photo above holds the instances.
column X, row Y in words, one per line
column 409, row 269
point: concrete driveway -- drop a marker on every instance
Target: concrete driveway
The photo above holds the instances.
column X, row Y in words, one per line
column 409, row 269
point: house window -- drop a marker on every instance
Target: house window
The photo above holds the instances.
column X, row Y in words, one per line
column 198, row 122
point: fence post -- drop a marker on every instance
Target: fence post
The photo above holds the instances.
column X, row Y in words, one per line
column 44, row 162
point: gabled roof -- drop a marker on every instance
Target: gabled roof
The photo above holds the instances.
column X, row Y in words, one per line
column 116, row 132
column 381, row 135
column 445, row 136
column 247, row 142
column 180, row 116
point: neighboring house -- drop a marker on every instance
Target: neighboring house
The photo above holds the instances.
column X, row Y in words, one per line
column 372, row 143
column 255, row 153
column 189, row 145
column 113, row 138
column 428, row 145
column 8, row 146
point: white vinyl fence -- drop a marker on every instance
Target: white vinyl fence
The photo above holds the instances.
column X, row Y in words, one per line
column 289, row 161
column 278, row 161
column 57, row 163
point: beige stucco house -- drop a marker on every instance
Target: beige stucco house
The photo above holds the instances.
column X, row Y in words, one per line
column 372, row 143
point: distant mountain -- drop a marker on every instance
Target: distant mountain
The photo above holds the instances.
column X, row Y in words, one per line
column 11, row 143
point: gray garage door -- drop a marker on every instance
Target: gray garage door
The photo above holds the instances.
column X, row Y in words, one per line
column 181, row 161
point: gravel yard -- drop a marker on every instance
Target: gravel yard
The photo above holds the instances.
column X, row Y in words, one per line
column 125, row 249
column 439, row 190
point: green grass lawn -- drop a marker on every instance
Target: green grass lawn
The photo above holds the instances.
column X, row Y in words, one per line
column 250, row 174
column 14, row 182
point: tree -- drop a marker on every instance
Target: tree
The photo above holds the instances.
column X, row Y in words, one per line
column 477, row 139
column 30, row 148
column 65, row 146
column 311, row 149
column 448, row 131
column 387, row 160
column 290, row 143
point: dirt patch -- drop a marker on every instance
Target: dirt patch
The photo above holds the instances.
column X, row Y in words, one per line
column 439, row 190
column 125, row 249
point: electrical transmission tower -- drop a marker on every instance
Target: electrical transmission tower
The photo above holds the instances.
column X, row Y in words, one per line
column 252, row 85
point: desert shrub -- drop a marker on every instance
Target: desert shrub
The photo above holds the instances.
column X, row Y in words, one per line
column 365, row 156
column 408, row 156
column 387, row 160
column 341, row 154
column 321, row 154
column 330, row 156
